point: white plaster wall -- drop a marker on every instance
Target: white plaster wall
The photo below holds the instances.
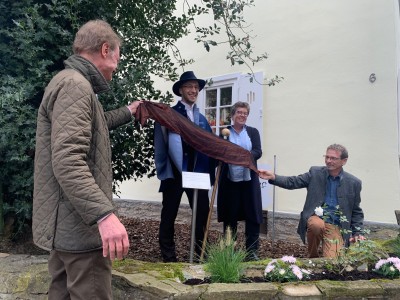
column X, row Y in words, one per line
column 326, row 51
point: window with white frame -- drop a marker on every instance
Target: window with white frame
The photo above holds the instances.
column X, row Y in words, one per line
column 218, row 102
column 221, row 92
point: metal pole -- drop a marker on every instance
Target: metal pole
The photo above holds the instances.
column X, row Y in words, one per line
column 193, row 236
column 273, row 207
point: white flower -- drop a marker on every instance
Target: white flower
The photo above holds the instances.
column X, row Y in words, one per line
column 319, row 211
column 282, row 271
column 305, row 271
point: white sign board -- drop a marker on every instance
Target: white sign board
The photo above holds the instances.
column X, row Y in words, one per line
column 266, row 188
column 193, row 180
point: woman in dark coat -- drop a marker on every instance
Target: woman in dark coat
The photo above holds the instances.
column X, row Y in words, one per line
column 239, row 192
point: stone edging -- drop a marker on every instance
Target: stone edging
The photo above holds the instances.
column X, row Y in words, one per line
column 152, row 288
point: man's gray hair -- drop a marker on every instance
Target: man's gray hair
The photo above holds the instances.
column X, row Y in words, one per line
column 342, row 149
column 92, row 35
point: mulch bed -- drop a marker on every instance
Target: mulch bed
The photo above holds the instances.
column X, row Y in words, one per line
column 143, row 236
column 143, row 239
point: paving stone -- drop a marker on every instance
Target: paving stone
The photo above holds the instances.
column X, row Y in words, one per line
column 223, row 291
column 301, row 290
column 358, row 289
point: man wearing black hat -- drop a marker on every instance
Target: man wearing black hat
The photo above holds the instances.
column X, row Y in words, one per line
column 172, row 156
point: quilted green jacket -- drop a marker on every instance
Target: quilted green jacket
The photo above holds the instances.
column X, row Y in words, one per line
column 73, row 175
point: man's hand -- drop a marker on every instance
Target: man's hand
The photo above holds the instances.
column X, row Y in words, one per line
column 357, row 238
column 133, row 106
column 114, row 237
column 264, row 174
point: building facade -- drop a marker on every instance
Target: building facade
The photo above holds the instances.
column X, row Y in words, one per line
column 340, row 63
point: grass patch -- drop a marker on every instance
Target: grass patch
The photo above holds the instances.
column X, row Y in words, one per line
column 224, row 261
column 393, row 246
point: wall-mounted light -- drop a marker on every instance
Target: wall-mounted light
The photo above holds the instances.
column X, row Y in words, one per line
column 372, row 78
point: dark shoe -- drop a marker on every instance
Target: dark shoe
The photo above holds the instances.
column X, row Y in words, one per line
column 167, row 249
column 251, row 256
column 170, row 259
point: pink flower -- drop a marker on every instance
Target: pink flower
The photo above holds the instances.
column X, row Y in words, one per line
column 380, row 263
column 285, row 269
column 269, row 268
column 394, row 260
column 288, row 259
column 297, row 271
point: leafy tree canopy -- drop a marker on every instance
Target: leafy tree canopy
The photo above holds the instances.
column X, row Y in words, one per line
column 36, row 37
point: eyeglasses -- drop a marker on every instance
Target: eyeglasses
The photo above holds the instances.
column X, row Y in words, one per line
column 241, row 113
column 189, row 86
column 331, row 158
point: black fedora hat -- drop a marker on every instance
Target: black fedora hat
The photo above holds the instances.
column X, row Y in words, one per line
column 187, row 76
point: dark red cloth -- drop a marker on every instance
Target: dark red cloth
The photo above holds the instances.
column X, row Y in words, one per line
column 201, row 140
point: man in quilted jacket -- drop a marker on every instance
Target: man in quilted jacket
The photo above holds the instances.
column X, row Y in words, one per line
column 73, row 212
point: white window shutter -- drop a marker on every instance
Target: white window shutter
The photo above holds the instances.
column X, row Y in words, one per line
column 201, row 99
column 251, row 91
